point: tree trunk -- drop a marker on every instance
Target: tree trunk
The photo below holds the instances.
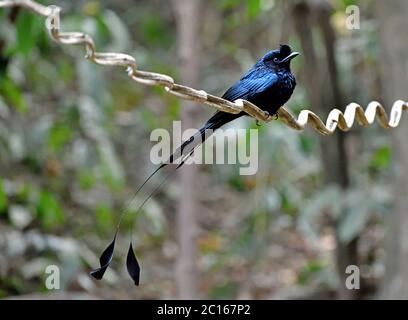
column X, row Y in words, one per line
column 324, row 94
column 393, row 26
column 188, row 22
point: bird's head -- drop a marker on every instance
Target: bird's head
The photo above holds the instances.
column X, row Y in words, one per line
column 280, row 58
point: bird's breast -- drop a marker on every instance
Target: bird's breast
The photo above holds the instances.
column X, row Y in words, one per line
column 276, row 96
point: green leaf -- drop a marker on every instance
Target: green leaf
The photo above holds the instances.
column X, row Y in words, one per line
column 226, row 290
column 86, row 179
column 149, row 119
column 173, row 108
column 237, row 183
column 12, row 94
column 3, row 198
column 306, row 144
column 310, row 270
column 103, row 29
column 65, row 71
column 253, row 8
column 154, row 30
column 229, row 4
column 381, row 159
column 287, row 203
column 58, row 136
column 49, row 210
column 103, row 217
column 347, row 3
column 25, row 36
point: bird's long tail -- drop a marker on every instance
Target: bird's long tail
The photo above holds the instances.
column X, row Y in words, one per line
column 188, row 146
column 179, row 157
column 214, row 123
column 175, row 161
column 186, row 150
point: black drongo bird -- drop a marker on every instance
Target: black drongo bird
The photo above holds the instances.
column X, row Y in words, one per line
column 268, row 84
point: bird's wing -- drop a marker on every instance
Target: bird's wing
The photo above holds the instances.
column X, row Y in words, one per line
column 255, row 81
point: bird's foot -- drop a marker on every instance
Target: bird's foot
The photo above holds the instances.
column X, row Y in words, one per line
column 276, row 116
column 267, row 114
column 258, row 123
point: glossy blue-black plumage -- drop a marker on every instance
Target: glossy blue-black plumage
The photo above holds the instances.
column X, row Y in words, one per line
column 268, row 84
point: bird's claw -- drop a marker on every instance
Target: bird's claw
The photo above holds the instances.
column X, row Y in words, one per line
column 258, row 123
column 276, row 116
column 267, row 114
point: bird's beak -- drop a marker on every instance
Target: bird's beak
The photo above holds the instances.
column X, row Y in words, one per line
column 290, row 57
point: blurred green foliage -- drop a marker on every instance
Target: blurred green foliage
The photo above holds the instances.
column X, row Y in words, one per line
column 74, row 145
column 3, row 198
